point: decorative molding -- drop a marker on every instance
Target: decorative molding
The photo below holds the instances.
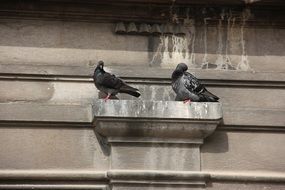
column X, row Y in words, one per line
column 53, row 179
column 51, row 185
column 140, row 75
column 154, row 11
column 150, row 176
column 150, row 29
column 248, row 128
column 157, row 177
column 238, row 118
column 60, row 174
column 140, row 140
column 247, row 176
column 208, row 176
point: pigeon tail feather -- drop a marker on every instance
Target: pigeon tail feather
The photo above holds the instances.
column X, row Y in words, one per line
column 210, row 97
column 130, row 90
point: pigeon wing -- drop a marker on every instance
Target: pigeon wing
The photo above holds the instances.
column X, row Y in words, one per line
column 194, row 86
column 192, row 83
column 109, row 81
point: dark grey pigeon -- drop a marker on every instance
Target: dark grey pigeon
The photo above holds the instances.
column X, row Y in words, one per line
column 110, row 84
column 188, row 88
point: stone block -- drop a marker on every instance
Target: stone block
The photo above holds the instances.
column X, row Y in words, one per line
column 11, row 91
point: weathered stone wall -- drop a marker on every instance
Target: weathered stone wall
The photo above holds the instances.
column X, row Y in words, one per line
column 82, row 44
column 68, row 43
column 50, row 62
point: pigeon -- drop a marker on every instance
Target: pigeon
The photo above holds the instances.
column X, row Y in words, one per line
column 188, row 88
column 110, row 84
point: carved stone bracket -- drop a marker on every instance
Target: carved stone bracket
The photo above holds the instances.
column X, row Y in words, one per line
column 159, row 136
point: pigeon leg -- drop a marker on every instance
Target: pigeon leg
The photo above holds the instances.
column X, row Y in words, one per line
column 187, row 101
column 107, row 97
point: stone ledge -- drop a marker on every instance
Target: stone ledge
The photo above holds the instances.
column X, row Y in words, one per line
column 49, row 185
column 53, row 179
column 85, row 175
column 157, row 110
column 154, row 130
column 247, row 176
column 84, row 73
column 59, row 174
column 234, row 118
column 157, row 177
column 155, row 121
column 143, row 135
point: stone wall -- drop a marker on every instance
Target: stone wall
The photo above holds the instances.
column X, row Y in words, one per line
column 47, row 138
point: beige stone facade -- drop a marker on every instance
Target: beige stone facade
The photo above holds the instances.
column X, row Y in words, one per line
column 56, row 134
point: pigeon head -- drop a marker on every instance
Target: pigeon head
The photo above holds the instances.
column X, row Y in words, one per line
column 99, row 69
column 100, row 65
column 182, row 67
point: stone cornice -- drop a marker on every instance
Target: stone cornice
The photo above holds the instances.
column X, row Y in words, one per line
column 158, row 177
column 23, row 114
column 156, row 121
column 139, row 75
column 84, row 175
column 155, row 11
column 54, row 179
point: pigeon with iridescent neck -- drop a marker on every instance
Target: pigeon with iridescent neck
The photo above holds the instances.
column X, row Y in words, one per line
column 188, row 88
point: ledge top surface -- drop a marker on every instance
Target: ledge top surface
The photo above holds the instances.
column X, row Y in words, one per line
column 157, row 109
